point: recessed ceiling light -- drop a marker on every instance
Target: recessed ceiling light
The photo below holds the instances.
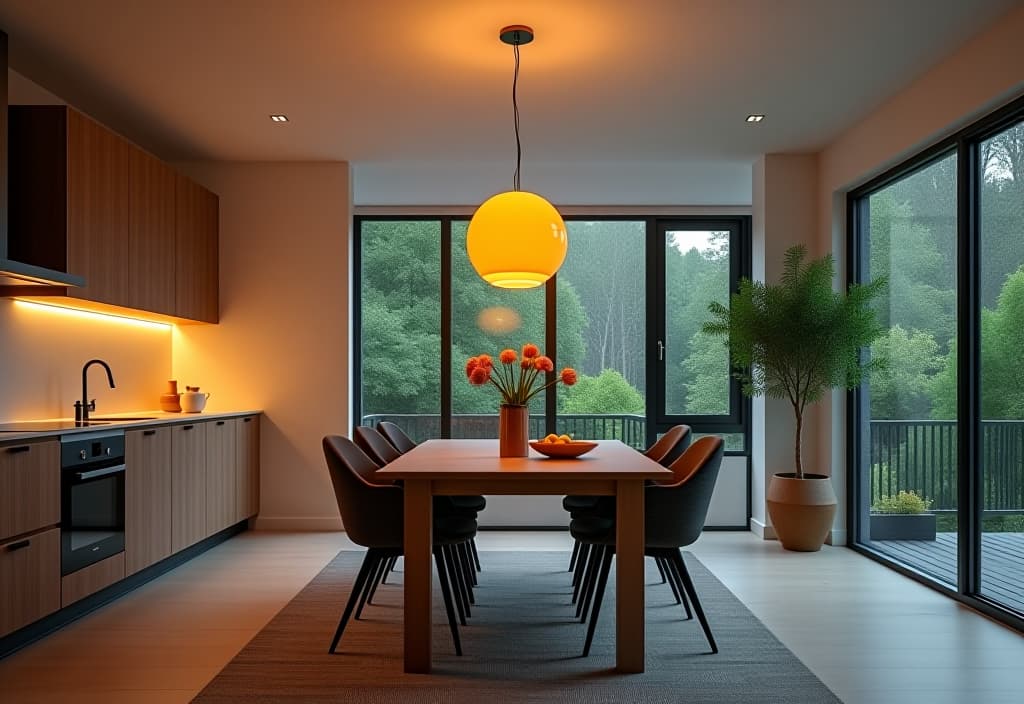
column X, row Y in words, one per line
column 755, row 118
column 279, row 118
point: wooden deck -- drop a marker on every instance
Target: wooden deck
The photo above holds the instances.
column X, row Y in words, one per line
column 1002, row 562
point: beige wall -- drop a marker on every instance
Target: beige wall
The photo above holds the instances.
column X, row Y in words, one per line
column 42, row 351
column 984, row 73
column 282, row 341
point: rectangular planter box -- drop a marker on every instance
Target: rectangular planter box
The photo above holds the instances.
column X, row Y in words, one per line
column 903, row 526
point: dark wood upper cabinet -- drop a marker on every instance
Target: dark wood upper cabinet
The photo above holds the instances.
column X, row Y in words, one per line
column 86, row 201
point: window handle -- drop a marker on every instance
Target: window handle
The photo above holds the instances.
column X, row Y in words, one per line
column 661, row 351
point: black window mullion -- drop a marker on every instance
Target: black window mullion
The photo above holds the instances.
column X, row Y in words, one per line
column 655, row 327
column 551, row 345
column 446, row 327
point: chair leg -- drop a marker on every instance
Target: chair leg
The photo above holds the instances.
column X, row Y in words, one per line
column 449, row 563
column 671, row 580
column 673, row 576
column 661, row 571
column 446, row 594
column 367, row 586
column 459, row 581
column 357, row 590
column 581, row 568
column 377, row 580
column 468, row 571
column 602, row 582
column 587, row 597
column 691, row 592
column 387, row 569
column 476, row 555
column 575, row 554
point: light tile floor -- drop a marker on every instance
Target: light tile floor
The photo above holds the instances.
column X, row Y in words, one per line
column 870, row 634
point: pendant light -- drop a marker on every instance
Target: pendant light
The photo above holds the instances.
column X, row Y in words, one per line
column 516, row 239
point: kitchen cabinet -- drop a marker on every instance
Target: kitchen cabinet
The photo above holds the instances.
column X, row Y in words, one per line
column 29, row 579
column 196, row 260
column 89, row 580
column 220, row 474
column 247, row 468
column 151, row 233
column 188, row 485
column 86, row 201
column 148, row 493
column 29, row 487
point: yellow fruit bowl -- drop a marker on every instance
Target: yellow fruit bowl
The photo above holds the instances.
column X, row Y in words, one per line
column 563, row 449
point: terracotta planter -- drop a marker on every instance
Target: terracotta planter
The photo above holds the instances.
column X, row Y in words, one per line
column 513, row 431
column 801, row 510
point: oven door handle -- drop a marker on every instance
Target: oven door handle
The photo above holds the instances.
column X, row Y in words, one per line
column 100, row 472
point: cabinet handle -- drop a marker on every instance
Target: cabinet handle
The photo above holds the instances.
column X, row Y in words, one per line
column 247, row 420
column 187, row 427
column 18, row 545
column 149, row 432
column 220, row 422
column 19, row 448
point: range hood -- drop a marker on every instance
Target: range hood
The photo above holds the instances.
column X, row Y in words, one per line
column 19, row 273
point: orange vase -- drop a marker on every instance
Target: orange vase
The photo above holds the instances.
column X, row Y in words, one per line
column 513, row 431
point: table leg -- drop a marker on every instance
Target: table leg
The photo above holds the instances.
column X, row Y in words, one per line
column 418, row 575
column 629, row 577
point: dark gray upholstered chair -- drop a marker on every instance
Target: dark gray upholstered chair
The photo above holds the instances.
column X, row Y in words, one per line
column 674, row 516
column 373, row 518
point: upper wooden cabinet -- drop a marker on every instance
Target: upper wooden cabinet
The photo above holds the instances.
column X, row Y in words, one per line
column 151, row 233
column 84, row 200
column 196, row 239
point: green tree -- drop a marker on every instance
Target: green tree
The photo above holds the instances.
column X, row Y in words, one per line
column 902, row 389
column 706, row 371
column 608, row 392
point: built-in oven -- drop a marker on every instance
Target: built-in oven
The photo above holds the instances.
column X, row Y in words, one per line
column 92, row 498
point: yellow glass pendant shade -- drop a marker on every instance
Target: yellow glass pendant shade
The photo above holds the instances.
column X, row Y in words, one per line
column 516, row 240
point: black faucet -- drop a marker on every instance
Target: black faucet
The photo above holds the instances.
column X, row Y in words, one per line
column 83, row 407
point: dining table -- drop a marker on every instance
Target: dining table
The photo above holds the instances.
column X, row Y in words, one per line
column 454, row 467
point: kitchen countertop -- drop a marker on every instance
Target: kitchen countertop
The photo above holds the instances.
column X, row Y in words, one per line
column 152, row 418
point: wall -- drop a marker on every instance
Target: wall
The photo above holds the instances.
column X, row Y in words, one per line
column 282, row 341
column 984, row 73
column 42, row 350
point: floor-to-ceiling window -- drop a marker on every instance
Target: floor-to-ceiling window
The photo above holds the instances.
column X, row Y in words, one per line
column 624, row 310
column 938, row 433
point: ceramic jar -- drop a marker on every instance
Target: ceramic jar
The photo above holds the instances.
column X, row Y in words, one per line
column 192, row 400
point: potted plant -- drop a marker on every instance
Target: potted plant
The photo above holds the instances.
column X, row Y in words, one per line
column 902, row 516
column 797, row 340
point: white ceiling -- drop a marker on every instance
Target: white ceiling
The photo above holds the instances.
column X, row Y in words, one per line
column 427, row 81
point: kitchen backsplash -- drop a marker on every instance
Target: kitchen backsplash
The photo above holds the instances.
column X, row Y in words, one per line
column 42, row 350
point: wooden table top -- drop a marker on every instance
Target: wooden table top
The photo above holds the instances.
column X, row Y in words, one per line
column 478, row 459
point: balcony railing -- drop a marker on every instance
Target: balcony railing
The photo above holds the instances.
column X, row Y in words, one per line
column 905, row 455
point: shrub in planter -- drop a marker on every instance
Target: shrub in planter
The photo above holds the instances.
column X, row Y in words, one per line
column 903, row 516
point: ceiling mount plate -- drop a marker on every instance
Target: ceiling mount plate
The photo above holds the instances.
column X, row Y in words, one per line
column 516, row 34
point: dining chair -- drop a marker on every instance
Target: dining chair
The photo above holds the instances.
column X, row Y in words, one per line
column 373, row 515
column 674, row 517
column 664, row 451
column 475, row 503
column 382, row 452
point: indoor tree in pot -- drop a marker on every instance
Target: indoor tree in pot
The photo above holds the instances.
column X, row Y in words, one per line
column 797, row 340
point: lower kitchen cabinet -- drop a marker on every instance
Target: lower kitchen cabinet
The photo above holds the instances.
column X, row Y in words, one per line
column 29, row 487
column 220, row 474
column 29, row 579
column 188, row 485
column 148, row 491
column 247, row 467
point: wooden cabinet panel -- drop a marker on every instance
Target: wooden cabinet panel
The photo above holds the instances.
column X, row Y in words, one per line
column 29, row 487
column 188, row 485
column 97, row 203
column 220, row 474
column 196, row 261
column 151, row 233
column 91, row 579
column 29, row 579
column 148, row 488
column 247, row 468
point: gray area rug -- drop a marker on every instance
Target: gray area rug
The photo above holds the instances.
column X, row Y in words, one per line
column 521, row 645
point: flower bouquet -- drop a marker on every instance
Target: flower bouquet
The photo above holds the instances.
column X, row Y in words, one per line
column 518, row 380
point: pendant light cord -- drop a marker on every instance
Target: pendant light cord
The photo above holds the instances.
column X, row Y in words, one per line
column 515, row 112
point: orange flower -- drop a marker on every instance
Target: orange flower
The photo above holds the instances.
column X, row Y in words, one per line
column 526, row 364
column 544, row 364
column 507, row 356
column 568, row 376
column 479, row 376
column 486, row 361
column 471, row 364
column 530, row 350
